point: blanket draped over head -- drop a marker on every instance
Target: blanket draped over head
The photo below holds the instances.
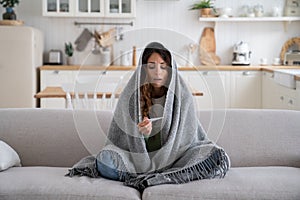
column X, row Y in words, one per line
column 186, row 153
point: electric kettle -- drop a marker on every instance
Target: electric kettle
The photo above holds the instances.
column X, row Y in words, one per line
column 241, row 54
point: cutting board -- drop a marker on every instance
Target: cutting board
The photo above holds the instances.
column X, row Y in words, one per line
column 207, row 48
column 207, row 40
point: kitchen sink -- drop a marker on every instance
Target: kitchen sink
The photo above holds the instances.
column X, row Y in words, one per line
column 286, row 77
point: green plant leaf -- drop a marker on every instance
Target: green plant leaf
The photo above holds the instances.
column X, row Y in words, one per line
column 9, row 3
column 69, row 50
column 201, row 4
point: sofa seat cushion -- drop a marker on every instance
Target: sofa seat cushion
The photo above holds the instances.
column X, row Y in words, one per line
column 38, row 183
column 240, row 183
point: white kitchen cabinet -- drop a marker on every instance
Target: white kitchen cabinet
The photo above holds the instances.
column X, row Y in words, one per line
column 99, row 77
column 241, row 89
column 54, row 78
column 213, row 84
column 59, row 78
column 226, row 89
column 62, row 8
column 221, row 89
column 53, row 103
column 120, row 8
column 90, row 8
column 276, row 96
column 270, row 97
column 289, row 101
column 245, row 89
column 297, row 95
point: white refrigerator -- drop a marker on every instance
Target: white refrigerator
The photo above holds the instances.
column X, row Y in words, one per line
column 21, row 53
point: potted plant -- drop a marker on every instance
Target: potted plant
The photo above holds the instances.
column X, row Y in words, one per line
column 69, row 50
column 9, row 5
column 205, row 7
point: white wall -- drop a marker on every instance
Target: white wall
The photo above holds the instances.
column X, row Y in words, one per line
column 171, row 23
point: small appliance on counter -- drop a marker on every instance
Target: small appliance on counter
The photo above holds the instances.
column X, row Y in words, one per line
column 241, row 54
column 292, row 58
column 55, row 57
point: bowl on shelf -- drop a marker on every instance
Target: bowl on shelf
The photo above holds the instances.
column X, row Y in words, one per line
column 225, row 12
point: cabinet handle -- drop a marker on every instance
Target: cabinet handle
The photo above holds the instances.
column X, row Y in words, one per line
column 205, row 73
column 56, row 72
column 291, row 102
column 246, row 73
column 104, row 72
column 282, row 98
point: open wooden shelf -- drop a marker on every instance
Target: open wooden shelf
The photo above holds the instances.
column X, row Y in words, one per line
column 249, row 19
column 11, row 22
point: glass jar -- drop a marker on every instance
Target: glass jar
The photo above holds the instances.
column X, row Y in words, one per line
column 9, row 14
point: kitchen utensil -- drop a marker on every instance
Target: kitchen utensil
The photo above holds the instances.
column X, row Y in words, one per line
column 124, row 58
column 276, row 61
column 258, row 10
column 207, row 47
column 191, row 49
column 241, row 54
column 244, row 10
column 134, row 56
column 207, row 40
column 96, row 50
column 105, row 59
column 106, row 39
column 276, row 11
column 263, row 61
column 209, row 58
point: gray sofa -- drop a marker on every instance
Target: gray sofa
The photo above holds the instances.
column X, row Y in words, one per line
column 264, row 147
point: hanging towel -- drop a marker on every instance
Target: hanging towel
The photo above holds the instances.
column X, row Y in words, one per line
column 82, row 41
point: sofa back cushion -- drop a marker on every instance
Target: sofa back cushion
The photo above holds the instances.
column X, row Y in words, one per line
column 50, row 137
column 255, row 137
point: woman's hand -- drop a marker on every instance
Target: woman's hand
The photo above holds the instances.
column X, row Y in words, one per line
column 145, row 127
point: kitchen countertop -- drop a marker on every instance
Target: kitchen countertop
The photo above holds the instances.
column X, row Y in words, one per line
column 183, row 68
column 58, row 92
column 85, row 67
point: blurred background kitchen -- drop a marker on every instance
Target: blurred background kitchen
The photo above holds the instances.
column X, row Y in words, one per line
column 171, row 22
column 64, row 37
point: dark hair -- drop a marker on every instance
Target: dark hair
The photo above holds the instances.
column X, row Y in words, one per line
column 146, row 88
column 155, row 47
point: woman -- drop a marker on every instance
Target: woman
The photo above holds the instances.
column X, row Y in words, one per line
column 173, row 148
column 155, row 136
column 157, row 66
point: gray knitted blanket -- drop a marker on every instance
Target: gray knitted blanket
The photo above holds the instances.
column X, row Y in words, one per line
column 186, row 154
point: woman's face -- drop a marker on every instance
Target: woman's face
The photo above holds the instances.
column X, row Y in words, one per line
column 157, row 70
